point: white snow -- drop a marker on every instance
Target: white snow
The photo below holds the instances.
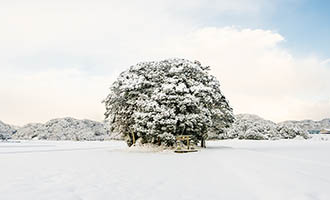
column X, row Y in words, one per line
column 230, row 169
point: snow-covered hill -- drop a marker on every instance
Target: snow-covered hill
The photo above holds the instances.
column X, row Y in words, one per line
column 247, row 126
column 310, row 125
column 66, row 129
column 6, row 131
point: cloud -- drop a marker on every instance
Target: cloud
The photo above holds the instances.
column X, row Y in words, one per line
column 326, row 62
column 59, row 58
column 74, row 26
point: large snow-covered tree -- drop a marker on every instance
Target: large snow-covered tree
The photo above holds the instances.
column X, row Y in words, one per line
column 155, row 101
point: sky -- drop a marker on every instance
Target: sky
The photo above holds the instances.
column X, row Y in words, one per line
column 59, row 58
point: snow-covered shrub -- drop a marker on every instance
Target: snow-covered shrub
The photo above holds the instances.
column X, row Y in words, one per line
column 156, row 101
column 289, row 131
column 320, row 137
column 6, row 131
column 253, row 134
column 30, row 131
column 248, row 126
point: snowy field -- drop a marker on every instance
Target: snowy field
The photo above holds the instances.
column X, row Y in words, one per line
column 233, row 169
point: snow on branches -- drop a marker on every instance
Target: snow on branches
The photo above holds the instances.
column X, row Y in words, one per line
column 155, row 101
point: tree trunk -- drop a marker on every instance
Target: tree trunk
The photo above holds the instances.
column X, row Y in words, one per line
column 203, row 145
column 133, row 137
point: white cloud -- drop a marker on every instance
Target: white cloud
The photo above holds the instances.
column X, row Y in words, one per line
column 326, row 62
column 73, row 25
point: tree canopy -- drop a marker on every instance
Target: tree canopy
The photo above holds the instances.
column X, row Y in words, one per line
column 155, row 101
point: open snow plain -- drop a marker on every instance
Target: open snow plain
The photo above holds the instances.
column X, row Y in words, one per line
column 231, row 169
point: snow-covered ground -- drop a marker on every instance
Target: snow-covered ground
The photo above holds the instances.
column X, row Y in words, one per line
column 231, row 169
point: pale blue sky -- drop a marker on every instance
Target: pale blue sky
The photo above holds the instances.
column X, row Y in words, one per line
column 304, row 23
column 58, row 58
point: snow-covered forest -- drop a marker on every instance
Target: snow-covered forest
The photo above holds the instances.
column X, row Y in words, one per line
column 310, row 125
column 6, row 131
column 66, row 129
column 246, row 126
